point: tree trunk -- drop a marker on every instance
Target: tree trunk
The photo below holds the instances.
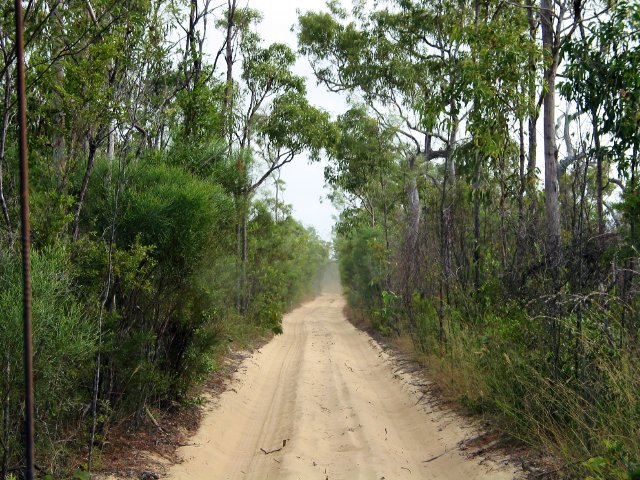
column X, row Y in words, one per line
column 521, row 233
column 195, row 56
column 533, row 116
column 551, row 186
column 599, row 187
column 476, row 226
column 277, row 185
column 445, row 230
column 111, row 143
column 385, row 212
column 414, row 208
column 58, row 143
column 238, row 265
column 93, row 148
column 228, row 88
column 3, row 144
column 245, row 261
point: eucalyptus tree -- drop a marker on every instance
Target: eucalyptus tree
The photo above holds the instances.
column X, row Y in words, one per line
column 600, row 77
column 393, row 60
column 555, row 32
column 402, row 62
column 549, row 288
column 602, row 80
column 284, row 129
column 444, row 74
column 268, row 119
column 364, row 154
column 78, row 58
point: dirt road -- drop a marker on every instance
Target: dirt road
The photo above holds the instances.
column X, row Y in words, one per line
column 330, row 392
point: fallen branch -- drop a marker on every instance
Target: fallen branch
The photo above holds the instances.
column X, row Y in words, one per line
column 440, row 455
column 485, row 449
column 284, row 443
column 152, row 418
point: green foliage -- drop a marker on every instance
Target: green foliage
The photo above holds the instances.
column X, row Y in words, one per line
column 174, row 212
column 64, row 347
column 51, row 216
column 170, row 225
column 81, row 475
column 616, row 464
column 362, row 267
column 285, row 267
column 133, row 141
column 362, row 151
column 603, row 79
column 426, row 324
column 441, row 236
column 268, row 70
column 173, row 256
column 200, row 111
column 293, row 124
column 385, row 319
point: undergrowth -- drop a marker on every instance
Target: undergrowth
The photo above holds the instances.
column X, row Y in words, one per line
column 584, row 412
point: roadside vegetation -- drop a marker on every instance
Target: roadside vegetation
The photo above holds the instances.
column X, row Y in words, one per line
column 521, row 294
column 486, row 170
column 154, row 247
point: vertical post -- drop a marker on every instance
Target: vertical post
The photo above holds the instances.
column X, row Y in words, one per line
column 26, row 265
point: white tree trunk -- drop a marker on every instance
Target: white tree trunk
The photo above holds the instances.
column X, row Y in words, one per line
column 551, row 186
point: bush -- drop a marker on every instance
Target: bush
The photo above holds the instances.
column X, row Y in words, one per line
column 161, row 322
column 64, row 347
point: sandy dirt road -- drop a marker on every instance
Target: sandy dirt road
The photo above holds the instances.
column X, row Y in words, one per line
column 330, row 391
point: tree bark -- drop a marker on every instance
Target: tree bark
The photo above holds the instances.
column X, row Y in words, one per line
column 385, row 212
column 93, row 148
column 599, row 186
column 58, row 143
column 551, row 186
column 245, row 261
column 533, row 116
column 521, row 232
column 111, row 140
column 3, row 144
column 476, row 226
column 228, row 88
column 414, row 207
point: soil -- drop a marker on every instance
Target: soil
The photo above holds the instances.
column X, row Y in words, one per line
column 324, row 400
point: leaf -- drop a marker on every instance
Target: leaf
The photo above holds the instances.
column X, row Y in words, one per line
column 81, row 475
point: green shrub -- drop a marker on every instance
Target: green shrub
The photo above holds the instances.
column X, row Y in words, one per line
column 64, row 347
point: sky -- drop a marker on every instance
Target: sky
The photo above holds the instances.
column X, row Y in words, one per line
column 304, row 189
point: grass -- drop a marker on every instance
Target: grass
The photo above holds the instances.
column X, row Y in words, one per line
column 588, row 425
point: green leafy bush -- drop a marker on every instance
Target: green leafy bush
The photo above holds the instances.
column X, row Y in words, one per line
column 64, row 347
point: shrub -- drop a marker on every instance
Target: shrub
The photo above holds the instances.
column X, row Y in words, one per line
column 64, row 347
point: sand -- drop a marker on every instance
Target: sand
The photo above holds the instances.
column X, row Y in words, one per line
column 330, row 391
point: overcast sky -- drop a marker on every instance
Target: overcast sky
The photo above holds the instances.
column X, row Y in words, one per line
column 304, row 188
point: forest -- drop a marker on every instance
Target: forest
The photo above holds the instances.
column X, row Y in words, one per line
column 485, row 171
column 488, row 173
column 154, row 249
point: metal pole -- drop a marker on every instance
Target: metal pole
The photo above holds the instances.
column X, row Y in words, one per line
column 26, row 265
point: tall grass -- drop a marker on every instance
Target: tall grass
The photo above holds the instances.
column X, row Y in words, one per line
column 586, row 414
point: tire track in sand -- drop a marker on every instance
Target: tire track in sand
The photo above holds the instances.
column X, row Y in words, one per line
column 330, row 391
